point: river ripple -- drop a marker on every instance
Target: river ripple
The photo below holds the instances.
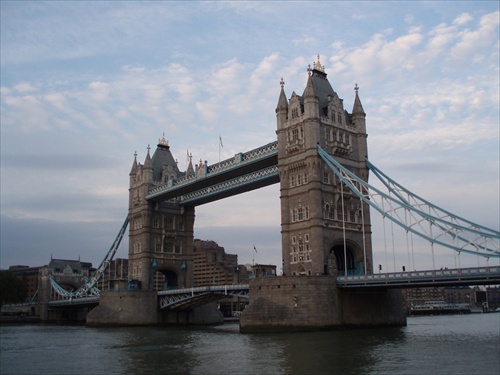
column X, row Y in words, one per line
column 459, row 344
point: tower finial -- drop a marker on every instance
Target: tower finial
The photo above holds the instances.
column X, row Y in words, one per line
column 317, row 65
column 282, row 83
column 356, row 87
column 162, row 141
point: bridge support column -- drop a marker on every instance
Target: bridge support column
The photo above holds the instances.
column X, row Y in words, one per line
column 294, row 303
column 125, row 308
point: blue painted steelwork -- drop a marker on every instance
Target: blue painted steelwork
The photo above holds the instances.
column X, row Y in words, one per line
column 461, row 234
column 232, row 186
column 189, row 297
column 90, row 288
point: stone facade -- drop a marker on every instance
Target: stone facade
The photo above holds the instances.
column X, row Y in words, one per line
column 325, row 228
column 125, row 308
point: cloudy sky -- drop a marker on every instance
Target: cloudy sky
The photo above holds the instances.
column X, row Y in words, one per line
column 86, row 84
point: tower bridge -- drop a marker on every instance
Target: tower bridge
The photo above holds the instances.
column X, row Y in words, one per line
column 320, row 160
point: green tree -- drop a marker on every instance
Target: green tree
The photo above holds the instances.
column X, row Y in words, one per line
column 12, row 289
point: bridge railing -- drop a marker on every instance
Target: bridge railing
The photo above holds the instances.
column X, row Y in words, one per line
column 202, row 289
column 183, row 296
column 75, row 301
column 460, row 276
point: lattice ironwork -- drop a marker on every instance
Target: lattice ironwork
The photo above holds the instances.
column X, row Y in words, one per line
column 175, row 298
column 90, row 287
column 231, row 184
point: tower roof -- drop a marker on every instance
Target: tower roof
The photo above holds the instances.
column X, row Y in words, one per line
column 320, row 84
column 162, row 157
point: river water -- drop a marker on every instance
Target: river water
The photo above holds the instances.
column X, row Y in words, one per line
column 453, row 344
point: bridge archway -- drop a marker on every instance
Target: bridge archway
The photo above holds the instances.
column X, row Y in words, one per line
column 165, row 279
column 346, row 256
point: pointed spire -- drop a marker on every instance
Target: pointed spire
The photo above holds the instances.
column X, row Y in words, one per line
column 147, row 162
column 357, row 107
column 134, row 164
column 309, row 90
column 190, row 169
column 282, row 101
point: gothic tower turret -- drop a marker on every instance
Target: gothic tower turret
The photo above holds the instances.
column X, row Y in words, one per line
column 321, row 221
column 161, row 234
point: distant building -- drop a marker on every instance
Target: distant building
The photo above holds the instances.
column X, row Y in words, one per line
column 457, row 295
column 212, row 266
column 416, row 296
column 30, row 277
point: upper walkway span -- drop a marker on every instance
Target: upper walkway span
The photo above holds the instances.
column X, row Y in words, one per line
column 244, row 172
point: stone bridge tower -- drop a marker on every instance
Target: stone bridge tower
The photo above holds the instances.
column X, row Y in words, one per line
column 161, row 233
column 324, row 230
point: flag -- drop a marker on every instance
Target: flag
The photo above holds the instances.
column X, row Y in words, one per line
column 220, row 141
column 254, row 248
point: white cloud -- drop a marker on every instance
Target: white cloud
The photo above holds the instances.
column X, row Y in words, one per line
column 24, row 87
column 471, row 40
column 462, row 19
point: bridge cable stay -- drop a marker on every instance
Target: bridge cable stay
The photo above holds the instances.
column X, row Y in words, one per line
column 343, row 227
column 446, row 229
column 90, row 286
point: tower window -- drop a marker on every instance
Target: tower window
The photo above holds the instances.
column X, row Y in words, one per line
column 326, row 177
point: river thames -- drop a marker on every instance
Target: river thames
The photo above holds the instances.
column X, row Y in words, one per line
column 452, row 344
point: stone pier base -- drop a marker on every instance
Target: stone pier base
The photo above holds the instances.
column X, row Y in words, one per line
column 293, row 303
column 125, row 308
column 138, row 308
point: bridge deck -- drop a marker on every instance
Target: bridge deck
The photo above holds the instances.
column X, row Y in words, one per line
column 189, row 297
column 421, row 279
